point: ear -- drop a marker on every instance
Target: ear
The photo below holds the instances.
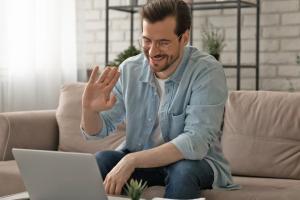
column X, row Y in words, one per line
column 186, row 37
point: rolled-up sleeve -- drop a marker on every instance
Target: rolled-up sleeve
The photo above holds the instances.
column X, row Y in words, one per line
column 203, row 115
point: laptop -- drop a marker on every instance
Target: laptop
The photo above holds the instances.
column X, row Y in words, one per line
column 49, row 175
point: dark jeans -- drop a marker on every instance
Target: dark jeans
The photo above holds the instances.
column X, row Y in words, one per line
column 183, row 179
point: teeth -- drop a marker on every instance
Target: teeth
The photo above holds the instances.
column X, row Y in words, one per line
column 157, row 59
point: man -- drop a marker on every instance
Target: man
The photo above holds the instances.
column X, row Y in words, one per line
column 172, row 98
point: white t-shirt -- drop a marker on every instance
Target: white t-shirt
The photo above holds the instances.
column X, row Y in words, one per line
column 156, row 137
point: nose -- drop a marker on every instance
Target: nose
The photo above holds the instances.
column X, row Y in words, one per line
column 154, row 50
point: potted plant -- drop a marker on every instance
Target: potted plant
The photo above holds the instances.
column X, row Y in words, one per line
column 129, row 52
column 298, row 60
column 135, row 189
column 213, row 41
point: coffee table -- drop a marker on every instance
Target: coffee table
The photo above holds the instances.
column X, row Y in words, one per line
column 25, row 196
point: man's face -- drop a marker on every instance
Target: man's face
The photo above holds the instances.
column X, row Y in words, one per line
column 162, row 47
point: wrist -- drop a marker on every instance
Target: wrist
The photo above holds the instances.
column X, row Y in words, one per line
column 132, row 160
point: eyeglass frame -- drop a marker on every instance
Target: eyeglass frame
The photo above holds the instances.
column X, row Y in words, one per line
column 158, row 43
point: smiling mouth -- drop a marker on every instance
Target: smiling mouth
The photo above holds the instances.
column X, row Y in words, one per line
column 157, row 58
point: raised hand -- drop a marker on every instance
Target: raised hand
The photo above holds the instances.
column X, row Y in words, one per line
column 97, row 95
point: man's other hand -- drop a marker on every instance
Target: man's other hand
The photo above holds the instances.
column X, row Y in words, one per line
column 119, row 175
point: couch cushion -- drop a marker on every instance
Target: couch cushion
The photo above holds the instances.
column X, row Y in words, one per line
column 252, row 189
column 262, row 134
column 68, row 117
column 258, row 189
column 10, row 179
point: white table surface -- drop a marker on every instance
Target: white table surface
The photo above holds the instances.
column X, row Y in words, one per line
column 25, row 196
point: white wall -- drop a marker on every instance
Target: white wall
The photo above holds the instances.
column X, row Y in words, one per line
column 280, row 39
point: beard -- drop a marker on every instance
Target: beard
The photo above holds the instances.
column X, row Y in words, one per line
column 161, row 62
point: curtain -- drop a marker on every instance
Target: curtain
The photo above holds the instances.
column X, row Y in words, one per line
column 37, row 52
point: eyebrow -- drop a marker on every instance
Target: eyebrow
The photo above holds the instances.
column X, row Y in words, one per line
column 162, row 40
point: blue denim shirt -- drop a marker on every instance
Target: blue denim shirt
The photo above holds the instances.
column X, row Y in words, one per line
column 190, row 117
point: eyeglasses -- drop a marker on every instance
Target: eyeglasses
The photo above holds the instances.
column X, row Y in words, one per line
column 162, row 44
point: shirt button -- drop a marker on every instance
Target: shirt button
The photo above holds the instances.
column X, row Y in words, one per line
column 149, row 119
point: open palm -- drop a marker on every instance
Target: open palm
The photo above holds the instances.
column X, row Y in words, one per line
column 97, row 95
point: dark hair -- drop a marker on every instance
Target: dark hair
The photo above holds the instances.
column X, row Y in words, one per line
column 157, row 10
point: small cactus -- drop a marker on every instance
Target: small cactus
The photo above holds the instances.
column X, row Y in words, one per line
column 135, row 188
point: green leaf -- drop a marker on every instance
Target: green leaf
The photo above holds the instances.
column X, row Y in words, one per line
column 129, row 52
column 213, row 40
column 135, row 188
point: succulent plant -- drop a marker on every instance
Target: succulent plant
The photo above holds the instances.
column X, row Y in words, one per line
column 135, row 188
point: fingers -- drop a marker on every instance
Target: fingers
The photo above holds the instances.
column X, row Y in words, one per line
column 112, row 187
column 113, row 81
column 104, row 74
column 118, row 189
column 106, row 186
column 109, row 76
column 94, row 75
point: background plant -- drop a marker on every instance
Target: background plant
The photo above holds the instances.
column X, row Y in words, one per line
column 213, row 40
column 129, row 52
column 298, row 60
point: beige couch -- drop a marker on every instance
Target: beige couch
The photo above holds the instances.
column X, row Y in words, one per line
column 261, row 140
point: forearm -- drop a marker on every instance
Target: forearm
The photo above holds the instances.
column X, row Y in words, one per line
column 91, row 122
column 159, row 156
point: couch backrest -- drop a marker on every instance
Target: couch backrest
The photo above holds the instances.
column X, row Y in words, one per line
column 68, row 117
column 262, row 134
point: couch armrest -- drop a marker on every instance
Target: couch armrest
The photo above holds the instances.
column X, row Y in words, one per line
column 27, row 129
